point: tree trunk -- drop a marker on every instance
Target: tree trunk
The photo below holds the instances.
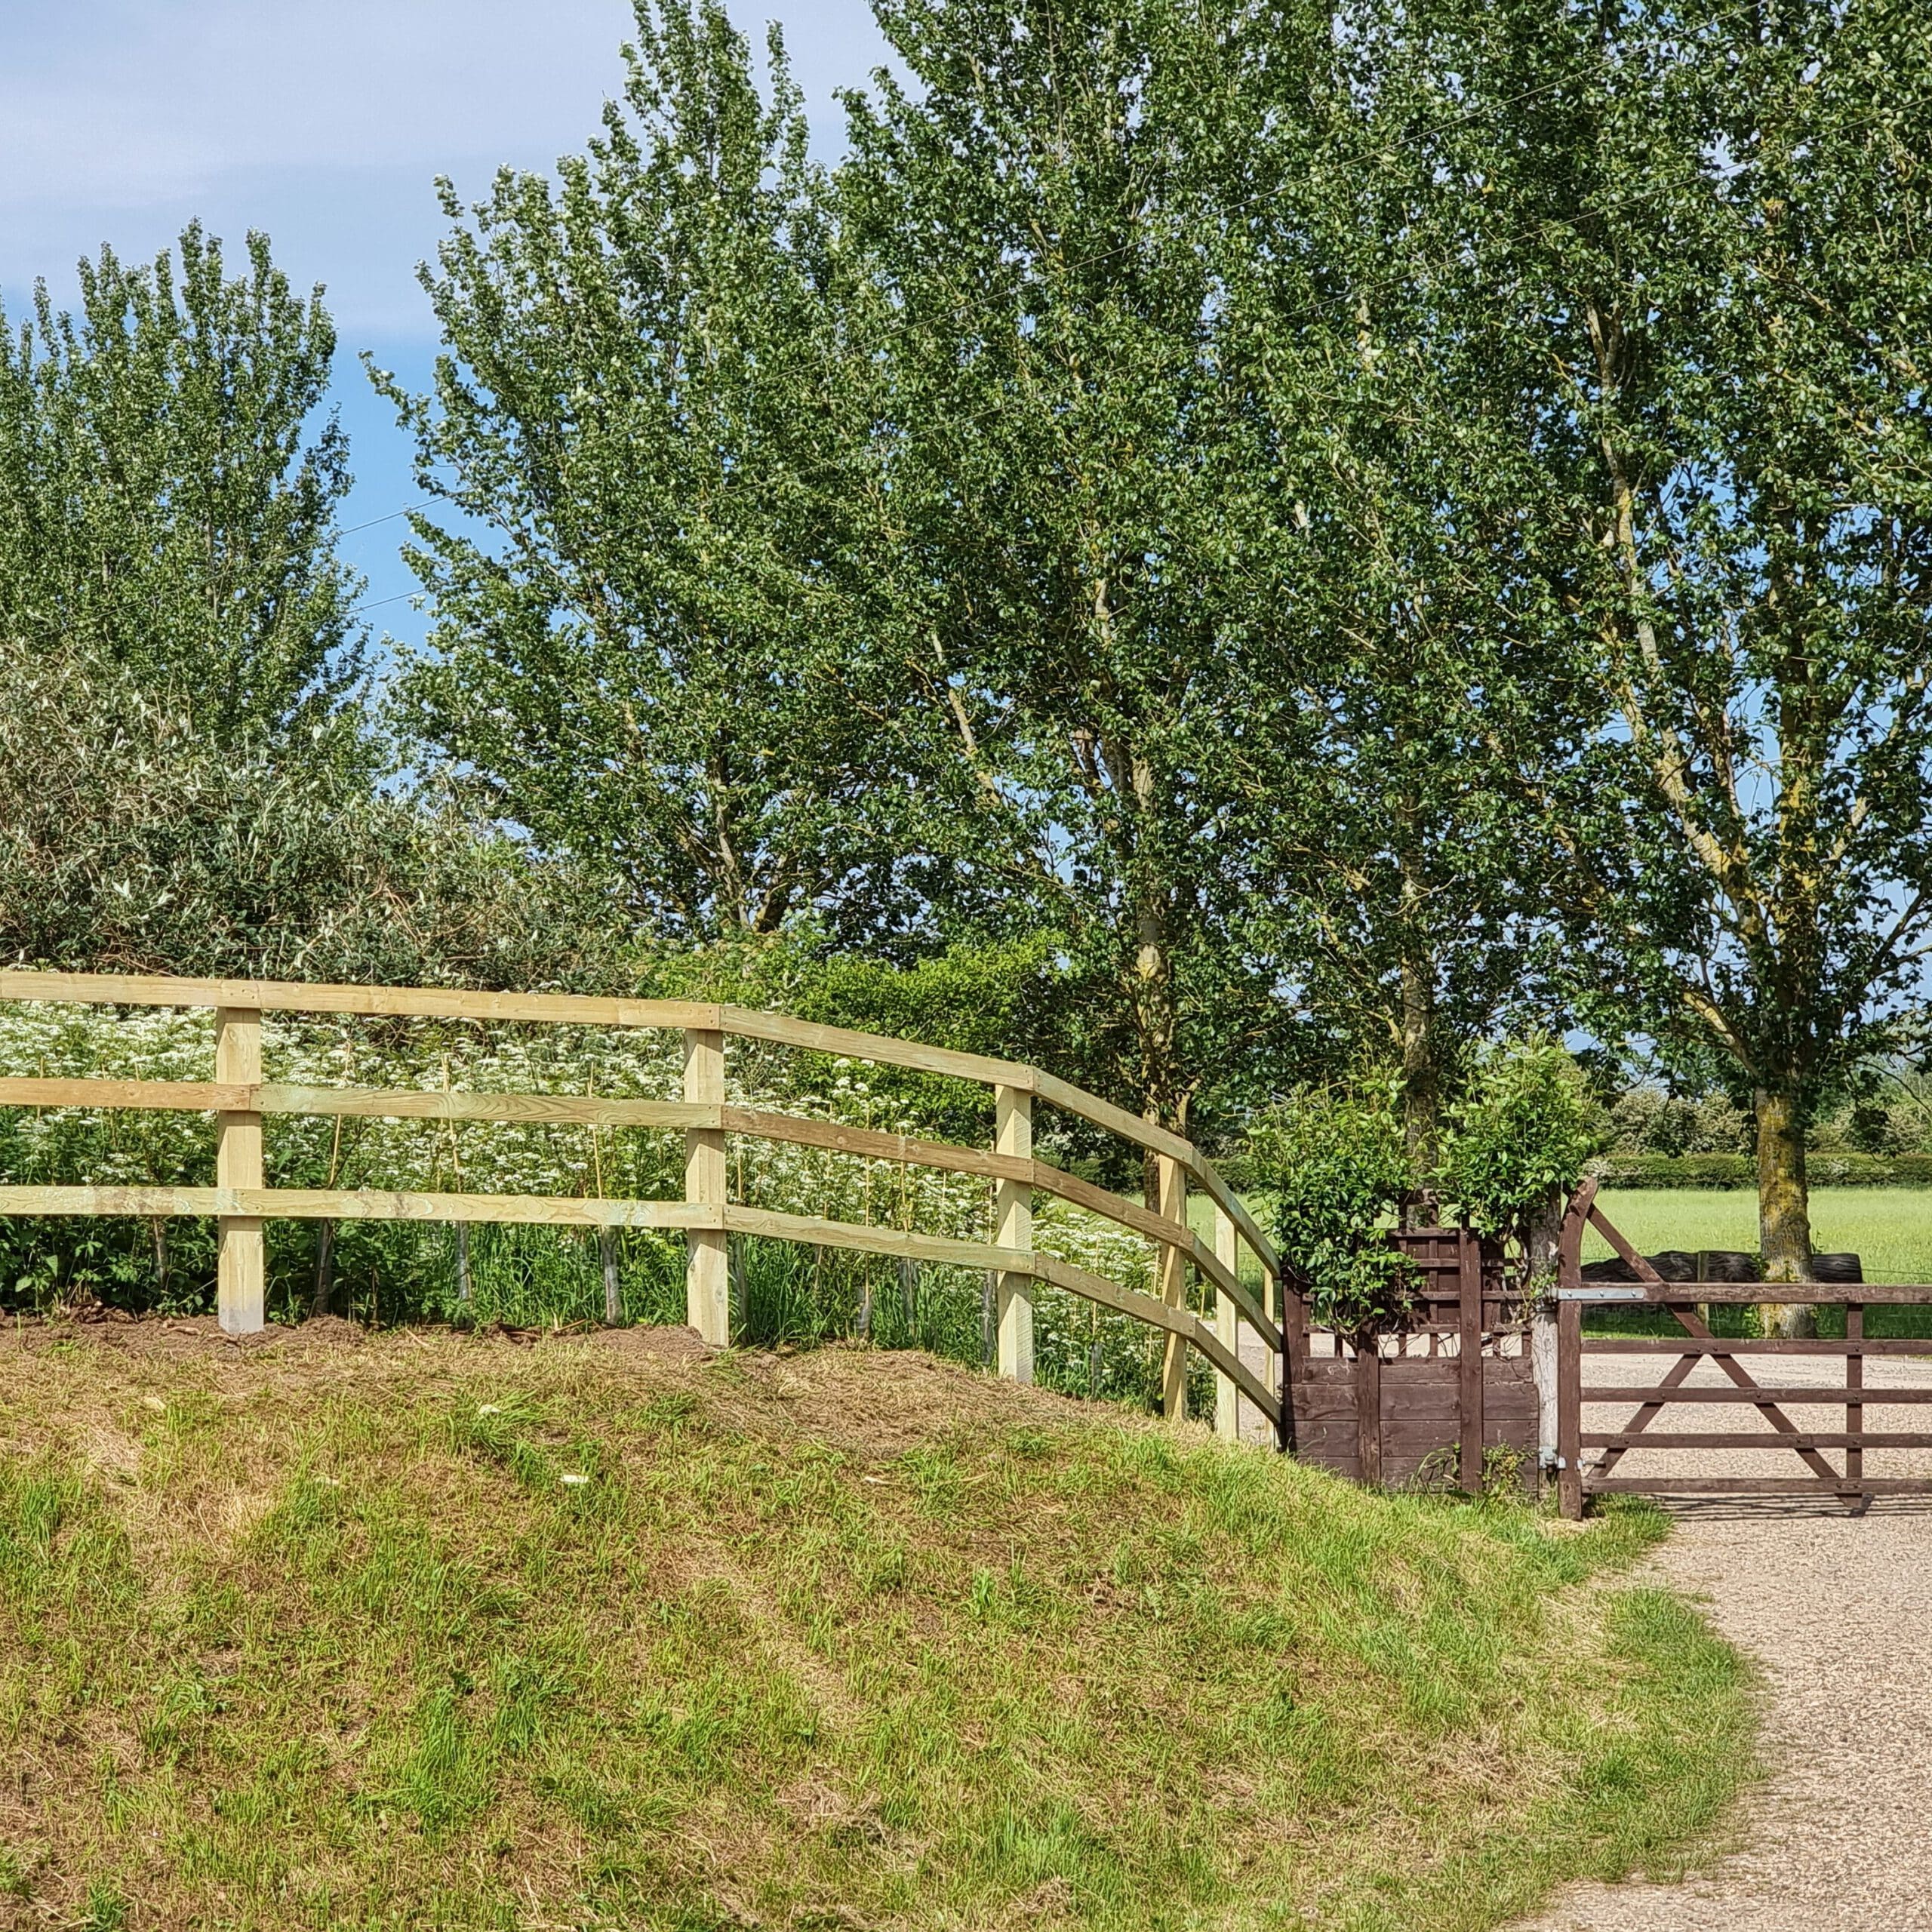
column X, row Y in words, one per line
column 1784, row 1212
column 1421, row 1076
column 1422, row 1087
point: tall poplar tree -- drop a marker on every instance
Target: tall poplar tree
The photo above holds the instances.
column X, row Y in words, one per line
column 167, row 495
column 1086, row 533
column 1694, row 246
column 655, row 409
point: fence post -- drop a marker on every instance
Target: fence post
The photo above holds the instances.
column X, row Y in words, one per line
column 1013, row 1209
column 1227, row 1325
column 613, row 1297
column 241, row 1272
column 1469, row 1258
column 708, row 1262
column 1570, row 1409
column 1173, row 1207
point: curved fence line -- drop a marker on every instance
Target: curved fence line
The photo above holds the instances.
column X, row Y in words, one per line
column 240, row 1100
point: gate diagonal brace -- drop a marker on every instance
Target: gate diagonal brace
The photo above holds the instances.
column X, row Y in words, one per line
column 1694, row 1326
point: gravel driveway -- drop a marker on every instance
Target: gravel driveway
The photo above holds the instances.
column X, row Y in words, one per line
column 1837, row 1611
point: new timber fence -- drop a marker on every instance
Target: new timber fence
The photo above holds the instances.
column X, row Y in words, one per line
column 241, row 1099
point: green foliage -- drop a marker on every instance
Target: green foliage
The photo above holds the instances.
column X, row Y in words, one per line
column 160, row 508
column 1517, row 1140
column 1337, row 1165
column 1079, row 560
column 132, row 839
column 1653, row 234
column 656, row 399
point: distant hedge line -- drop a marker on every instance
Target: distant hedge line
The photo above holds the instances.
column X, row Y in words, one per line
column 1720, row 1171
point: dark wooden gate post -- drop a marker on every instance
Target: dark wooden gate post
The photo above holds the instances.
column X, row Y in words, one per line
column 1570, row 1408
column 1368, row 1407
column 1468, row 1405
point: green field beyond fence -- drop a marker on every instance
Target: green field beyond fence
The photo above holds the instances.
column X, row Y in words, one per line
column 1889, row 1228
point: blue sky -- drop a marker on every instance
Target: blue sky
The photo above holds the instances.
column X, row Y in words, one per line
column 325, row 124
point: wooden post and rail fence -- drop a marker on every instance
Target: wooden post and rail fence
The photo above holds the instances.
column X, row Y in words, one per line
column 241, row 1099
column 1467, row 1375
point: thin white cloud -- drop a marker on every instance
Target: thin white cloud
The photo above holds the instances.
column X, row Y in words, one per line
column 324, row 122
column 129, row 102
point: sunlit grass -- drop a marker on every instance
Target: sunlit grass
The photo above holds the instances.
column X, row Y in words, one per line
column 444, row 1633
column 1889, row 1228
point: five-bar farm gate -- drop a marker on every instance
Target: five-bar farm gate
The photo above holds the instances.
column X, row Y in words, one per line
column 1725, row 1413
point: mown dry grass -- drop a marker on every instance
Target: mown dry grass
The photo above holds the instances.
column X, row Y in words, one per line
column 434, row 1631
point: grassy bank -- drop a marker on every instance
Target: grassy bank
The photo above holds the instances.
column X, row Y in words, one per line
column 1891, row 1228
column 439, row 1631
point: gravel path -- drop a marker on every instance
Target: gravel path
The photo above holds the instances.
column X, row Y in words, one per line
column 1838, row 1611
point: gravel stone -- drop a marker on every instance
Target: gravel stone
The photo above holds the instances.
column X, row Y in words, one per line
column 1837, row 1610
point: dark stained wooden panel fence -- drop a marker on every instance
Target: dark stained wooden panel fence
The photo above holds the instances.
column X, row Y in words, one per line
column 1433, row 1403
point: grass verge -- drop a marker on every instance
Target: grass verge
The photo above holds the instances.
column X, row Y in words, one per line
column 440, row 1632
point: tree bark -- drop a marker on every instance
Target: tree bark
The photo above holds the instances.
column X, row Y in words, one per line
column 1422, row 1087
column 1784, row 1212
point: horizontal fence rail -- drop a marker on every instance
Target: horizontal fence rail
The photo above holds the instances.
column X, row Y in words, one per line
column 239, row 1100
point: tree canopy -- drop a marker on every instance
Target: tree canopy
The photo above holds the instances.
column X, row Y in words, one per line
column 1329, row 534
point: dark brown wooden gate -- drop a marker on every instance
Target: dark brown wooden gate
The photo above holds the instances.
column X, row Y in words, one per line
column 1434, row 1403
column 1593, row 1438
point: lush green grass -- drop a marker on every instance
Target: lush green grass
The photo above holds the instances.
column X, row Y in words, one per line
column 443, row 1631
column 1891, row 1228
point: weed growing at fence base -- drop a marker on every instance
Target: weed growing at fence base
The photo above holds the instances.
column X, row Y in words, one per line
column 427, row 1629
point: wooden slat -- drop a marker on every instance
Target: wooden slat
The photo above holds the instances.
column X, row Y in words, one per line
column 1569, row 1415
column 1864, row 1438
column 866, row 1143
column 1758, row 1486
column 834, row 1137
column 1824, row 1294
column 571, row 1009
column 1368, row 1413
column 1854, row 1375
column 352, row 1205
column 1170, row 1271
column 939, row 1250
column 1159, row 1228
column 400, row 1002
column 1231, row 1204
column 572, row 1109
column 550, row 1210
column 201, row 1096
column 780, row 1029
column 1470, row 1363
column 1691, row 1320
column 148, row 1203
column 410, row 1104
column 1297, row 1376
column 241, row 1267
column 1013, row 1227
column 1157, row 1140
column 1753, row 1396
column 1145, row 1308
column 1682, row 1345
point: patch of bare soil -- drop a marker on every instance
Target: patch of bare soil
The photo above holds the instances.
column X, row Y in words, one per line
column 869, row 1401
column 884, row 1401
